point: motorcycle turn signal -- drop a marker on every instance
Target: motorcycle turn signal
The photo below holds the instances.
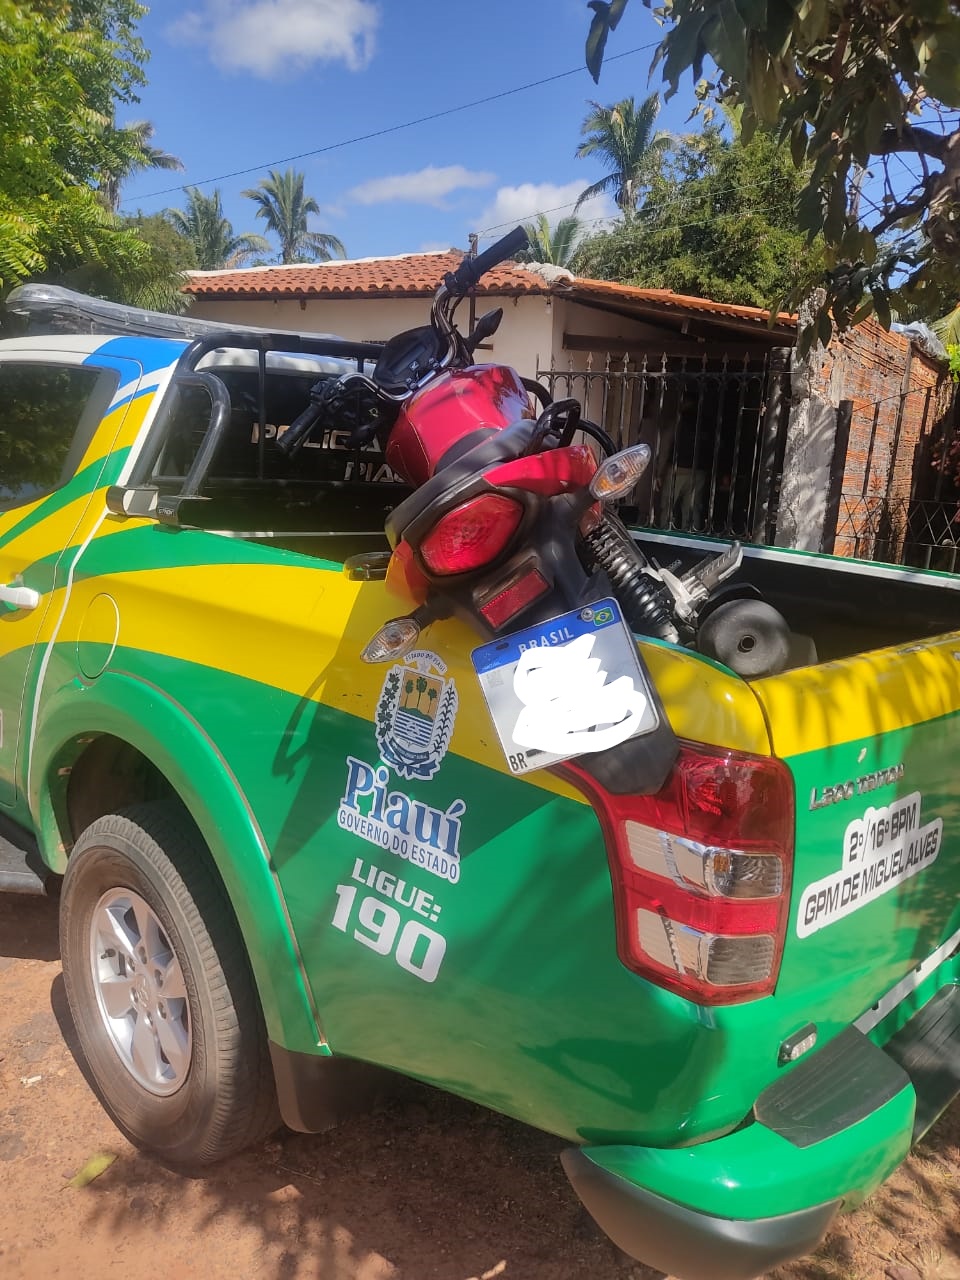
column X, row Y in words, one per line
column 398, row 636
column 618, row 474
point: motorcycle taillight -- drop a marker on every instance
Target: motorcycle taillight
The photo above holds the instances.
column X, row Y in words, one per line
column 471, row 535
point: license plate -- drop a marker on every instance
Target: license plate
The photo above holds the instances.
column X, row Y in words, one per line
column 566, row 687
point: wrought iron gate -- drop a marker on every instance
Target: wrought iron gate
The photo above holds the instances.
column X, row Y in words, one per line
column 715, row 428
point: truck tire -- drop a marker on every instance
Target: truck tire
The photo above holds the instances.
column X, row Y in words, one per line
column 160, row 989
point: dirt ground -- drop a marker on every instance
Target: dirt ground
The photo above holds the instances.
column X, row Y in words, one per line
column 430, row 1188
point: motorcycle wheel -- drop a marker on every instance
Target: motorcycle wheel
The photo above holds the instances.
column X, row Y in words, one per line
column 748, row 636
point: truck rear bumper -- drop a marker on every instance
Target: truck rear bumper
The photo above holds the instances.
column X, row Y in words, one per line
column 683, row 1241
column 824, row 1135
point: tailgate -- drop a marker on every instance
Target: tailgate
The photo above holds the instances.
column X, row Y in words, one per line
column 873, row 743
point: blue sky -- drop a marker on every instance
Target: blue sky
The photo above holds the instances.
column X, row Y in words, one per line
column 244, row 84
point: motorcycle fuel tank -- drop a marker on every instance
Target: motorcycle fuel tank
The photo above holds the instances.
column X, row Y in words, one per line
column 459, row 403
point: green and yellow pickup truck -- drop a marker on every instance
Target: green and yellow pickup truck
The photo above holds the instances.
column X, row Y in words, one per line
column 285, row 871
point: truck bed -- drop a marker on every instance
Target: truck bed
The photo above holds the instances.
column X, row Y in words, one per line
column 846, row 606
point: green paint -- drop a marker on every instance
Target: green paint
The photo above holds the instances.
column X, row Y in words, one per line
column 754, row 1173
column 843, row 967
column 135, row 710
column 529, row 930
column 530, row 985
column 144, row 547
column 510, row 992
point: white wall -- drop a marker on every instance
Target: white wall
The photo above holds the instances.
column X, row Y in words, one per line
column 525, row 333
column 573, row 318
column 532, row 328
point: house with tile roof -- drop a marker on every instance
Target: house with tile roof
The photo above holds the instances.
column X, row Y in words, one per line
column 551, row 318
column 591, row 339
column 654, row 365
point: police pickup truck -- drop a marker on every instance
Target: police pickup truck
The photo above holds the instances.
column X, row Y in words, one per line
column 284, row 871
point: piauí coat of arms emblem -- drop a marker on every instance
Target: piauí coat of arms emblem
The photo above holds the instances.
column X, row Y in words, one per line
column 415, row 715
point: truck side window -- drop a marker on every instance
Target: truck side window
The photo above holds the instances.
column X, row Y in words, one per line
column 48, row 414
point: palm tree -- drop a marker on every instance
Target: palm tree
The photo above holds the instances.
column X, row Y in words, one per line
column 285, row 209
column 134, row 146
column 211, row 234
column 622, row 137
column 557, row 246
column 421, row 690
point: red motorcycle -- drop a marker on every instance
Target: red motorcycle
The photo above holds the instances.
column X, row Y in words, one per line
column 512, row 521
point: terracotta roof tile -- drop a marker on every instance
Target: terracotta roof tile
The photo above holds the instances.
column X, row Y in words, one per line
column 607, row 289
column 419, row 274
column 410, row 275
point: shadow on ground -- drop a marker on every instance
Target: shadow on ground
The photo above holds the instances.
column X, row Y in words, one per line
column 427, row 1187
column 909, row 1229
column 432, row 1188
column 28, row 928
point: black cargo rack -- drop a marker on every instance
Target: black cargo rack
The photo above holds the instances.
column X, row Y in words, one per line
column 142, row 494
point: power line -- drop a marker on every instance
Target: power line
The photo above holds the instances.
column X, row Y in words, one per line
column 903, row 165
column 486, row 233
column 675, row 201
column 396, row 128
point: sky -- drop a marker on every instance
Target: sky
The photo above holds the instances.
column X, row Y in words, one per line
column 250, row 84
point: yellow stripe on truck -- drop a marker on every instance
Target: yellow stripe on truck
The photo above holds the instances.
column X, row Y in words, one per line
column 707, row 703
column 871, row 694
column 201, row 614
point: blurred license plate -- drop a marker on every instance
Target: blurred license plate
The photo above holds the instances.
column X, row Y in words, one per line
column 565, row 687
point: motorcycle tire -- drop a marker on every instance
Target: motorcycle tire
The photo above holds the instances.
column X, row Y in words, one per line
column 748, row 636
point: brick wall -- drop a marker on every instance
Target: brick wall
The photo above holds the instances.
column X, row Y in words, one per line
column 899, row 396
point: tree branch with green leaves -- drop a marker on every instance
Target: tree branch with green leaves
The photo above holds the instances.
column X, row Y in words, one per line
column 851, row 85
column 65, row 66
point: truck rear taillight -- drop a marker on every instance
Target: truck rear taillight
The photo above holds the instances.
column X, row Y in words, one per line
column 701, row 873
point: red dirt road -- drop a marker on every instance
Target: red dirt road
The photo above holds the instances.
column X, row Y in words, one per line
column 431, row 1188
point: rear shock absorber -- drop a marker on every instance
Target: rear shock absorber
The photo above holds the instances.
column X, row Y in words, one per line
column 646, row 602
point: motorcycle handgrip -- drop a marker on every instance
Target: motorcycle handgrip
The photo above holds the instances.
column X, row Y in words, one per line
column 296, row 434
column 471, row 269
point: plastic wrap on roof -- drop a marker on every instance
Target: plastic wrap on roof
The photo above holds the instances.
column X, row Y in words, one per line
column 277, row 361
column 924, row 337
column 548, row 272
column 49, row 308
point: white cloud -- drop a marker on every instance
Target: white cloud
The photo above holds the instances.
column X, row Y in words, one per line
column 428, row 186
column 273, row 37
column 513, row 205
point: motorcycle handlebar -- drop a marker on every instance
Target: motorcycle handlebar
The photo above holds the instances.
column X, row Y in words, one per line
column 296, row 434
column 471, row 269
